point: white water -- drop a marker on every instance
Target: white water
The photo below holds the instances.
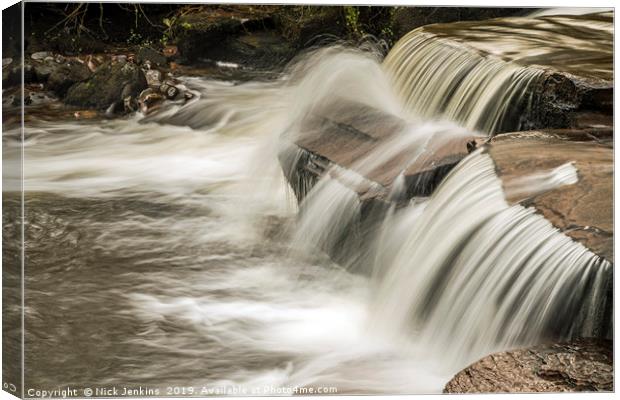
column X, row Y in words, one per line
column 476, row 91
column 451, row 278
column 490, row 70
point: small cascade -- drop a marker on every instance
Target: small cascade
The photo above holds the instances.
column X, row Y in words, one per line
column 491, row 70
column 478, row 92
column 463, row 272
column 470, row 274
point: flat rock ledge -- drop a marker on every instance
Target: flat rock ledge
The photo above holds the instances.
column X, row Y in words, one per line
column 583, row 211
column 583, row 365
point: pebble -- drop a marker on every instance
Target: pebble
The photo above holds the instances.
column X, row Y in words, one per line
column 41, row 55
column 153, row 77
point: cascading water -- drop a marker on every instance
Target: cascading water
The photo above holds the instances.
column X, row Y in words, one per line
column 179, row 234
column 476, row 91
column 472, row 274
column 486, row 80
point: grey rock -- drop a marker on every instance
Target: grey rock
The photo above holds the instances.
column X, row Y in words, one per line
column 153, row 77
column 59, row 77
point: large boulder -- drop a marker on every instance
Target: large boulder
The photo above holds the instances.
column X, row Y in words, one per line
column 238, row 34
column 583, row 365
column 110, row 84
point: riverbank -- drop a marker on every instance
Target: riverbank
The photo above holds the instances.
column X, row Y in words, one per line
column 122, row 59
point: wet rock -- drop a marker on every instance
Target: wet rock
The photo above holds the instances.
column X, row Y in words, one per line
column 41, row 55
column 153, row 77
column 169, row 90
column 145, row 54
column 171, row 51
column 577, row 366
column 120, row 58
column 405, row 19
column 583, row 211
column 12, row 74
column 34, row 95
column 111, row 83
column 241, row 34
column 59, row 77
column 150, row 100
column 343, row 134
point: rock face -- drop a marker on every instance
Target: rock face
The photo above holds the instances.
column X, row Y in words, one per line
column 580, row 365
column 583, row 211
column 110, row 84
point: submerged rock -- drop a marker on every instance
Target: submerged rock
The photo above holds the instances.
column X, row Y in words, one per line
column 577, row 366
column 111, row 83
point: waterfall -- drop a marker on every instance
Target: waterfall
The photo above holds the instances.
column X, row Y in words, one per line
column 490, row 70
column 220, row 270
column 464, row 272
column 478, row 92
column 471, row 274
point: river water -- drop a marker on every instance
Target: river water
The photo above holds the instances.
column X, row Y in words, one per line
column 163, row 253
column 158, row 255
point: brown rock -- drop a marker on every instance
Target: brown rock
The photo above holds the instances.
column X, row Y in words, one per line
column 583, row 211
column 348, row 133
column 580, row 365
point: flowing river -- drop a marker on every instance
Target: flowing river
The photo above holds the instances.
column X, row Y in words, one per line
column 167, row 251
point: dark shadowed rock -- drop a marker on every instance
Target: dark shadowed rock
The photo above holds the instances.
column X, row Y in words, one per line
column 111, row 83
column 64, row 75
column 145, row 54
column 577, row 366
column 583, row 211
column 12, row 74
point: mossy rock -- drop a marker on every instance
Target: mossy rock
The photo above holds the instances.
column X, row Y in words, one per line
column 108, row 85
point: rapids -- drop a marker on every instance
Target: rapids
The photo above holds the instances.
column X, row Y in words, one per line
column 170, row 250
